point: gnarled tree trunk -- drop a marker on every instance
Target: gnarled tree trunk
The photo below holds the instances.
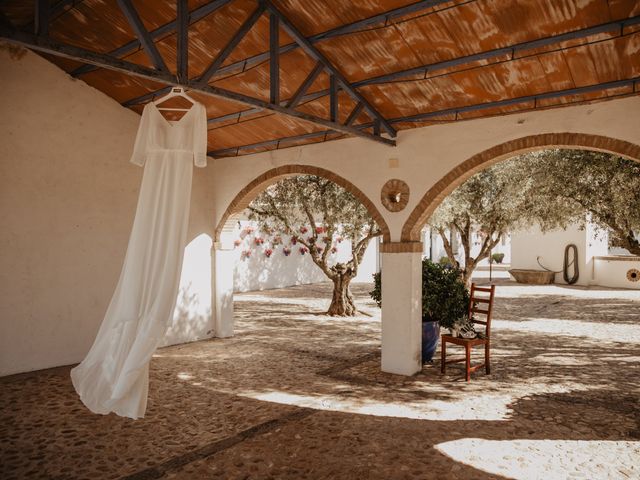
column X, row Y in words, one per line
column 342, row 301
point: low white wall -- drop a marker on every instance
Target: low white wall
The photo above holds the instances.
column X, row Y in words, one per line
column 259, row 272
column 67, row 199
column 617, row 271
column 527, row 245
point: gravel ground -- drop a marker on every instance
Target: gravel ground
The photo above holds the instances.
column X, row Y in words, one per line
column 296, row 394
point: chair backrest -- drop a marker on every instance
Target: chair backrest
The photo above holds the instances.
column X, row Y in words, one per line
column 482, row 304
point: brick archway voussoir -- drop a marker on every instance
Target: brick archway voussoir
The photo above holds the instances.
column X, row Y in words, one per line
column 257, row 185
column 436, row 194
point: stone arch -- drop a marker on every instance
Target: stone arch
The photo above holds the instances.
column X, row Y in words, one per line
column 251, row 191
column 442, row 188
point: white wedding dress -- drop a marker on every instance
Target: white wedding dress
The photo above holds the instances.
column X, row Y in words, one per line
column 114, row 375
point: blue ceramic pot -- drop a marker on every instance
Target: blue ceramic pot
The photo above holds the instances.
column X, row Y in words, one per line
column 430, row 336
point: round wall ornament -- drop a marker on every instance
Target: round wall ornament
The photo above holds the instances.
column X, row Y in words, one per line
column 394, row 195
column 633, row 275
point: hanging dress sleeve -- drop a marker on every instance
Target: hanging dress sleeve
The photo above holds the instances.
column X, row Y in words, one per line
column 139, row 154
column 200, row 137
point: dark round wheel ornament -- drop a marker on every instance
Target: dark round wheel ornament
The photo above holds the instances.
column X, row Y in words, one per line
column 395, row 195
column 633, row 275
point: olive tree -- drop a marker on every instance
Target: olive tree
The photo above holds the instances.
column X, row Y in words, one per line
column 317, row 213
column 605, row 186
column 492, row 203
column 552, row 188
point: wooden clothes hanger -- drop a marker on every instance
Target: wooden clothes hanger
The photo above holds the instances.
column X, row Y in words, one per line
column 175, row 92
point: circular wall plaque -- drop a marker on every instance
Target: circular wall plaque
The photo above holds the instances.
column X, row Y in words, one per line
column 394, row 195
column 633, row 275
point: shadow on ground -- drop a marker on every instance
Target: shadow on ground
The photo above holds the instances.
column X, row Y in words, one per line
column 298, row 395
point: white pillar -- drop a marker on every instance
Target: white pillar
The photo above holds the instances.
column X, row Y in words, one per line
column 223, row 259
column 402, row 309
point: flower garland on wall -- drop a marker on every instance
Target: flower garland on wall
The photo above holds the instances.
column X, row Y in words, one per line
column 269, row 242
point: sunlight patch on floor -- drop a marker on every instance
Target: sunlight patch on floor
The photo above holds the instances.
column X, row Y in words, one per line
column 494, row 407
column 573, row 328
column 521, row 459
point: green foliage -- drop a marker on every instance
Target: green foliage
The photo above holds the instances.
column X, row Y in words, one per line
column 552, row 188
column 445, row 298
column 573, row 183
column 318, row 214
column 445, row 261
column 497, row 257
column 311, row 200
column 376, row 293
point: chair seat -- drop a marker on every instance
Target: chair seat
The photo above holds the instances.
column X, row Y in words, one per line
column 464, row 341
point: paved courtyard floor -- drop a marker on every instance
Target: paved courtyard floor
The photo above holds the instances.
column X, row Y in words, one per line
column 298, row 395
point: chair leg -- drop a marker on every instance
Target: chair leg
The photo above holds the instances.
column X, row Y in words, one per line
column 443, row 356
column 487, row 354
column 467, row 351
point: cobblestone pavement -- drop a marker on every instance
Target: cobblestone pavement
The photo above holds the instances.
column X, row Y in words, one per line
column 296, row 395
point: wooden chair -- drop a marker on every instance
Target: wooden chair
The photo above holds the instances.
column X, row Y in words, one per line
column 475, row 307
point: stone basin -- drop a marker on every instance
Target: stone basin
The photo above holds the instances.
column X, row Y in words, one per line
column 535, row 277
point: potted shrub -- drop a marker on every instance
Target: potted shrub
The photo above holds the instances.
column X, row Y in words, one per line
column 445, row 302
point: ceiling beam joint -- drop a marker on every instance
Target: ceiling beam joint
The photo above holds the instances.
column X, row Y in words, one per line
column 50, row 46
column 308, row 47
column 274, row 60
column 229, row 47
column 182, row 20
column 42, row 14
column 304, row 86
column 141, row 32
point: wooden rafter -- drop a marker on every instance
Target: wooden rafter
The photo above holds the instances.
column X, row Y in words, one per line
column 632, row 83
column 47, row 45
column 468, row 60
column 141, row 32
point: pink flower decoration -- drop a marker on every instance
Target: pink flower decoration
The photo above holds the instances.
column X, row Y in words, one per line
column 334, row 250
column 286, row 251
column 268, row 252
column 303, row 250
column 236, row 243
column 320, row 230
column 303, row 230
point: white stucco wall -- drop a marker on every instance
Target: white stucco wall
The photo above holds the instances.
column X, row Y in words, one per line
column 67, row 198
column 528, row 245
column 426, row 154
column 614, row 271
column 259, row 272
column 68, row 195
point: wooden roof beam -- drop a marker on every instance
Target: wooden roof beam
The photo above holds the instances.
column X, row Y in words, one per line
column 47, row 45
column 308, row 47
column 157, row 34
column 629, row 82
column 383, row 17
column 233, row 43
column 234, row 151
column 182, row 47
column 141, row 32
column 615, row 26
column 41, row 18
